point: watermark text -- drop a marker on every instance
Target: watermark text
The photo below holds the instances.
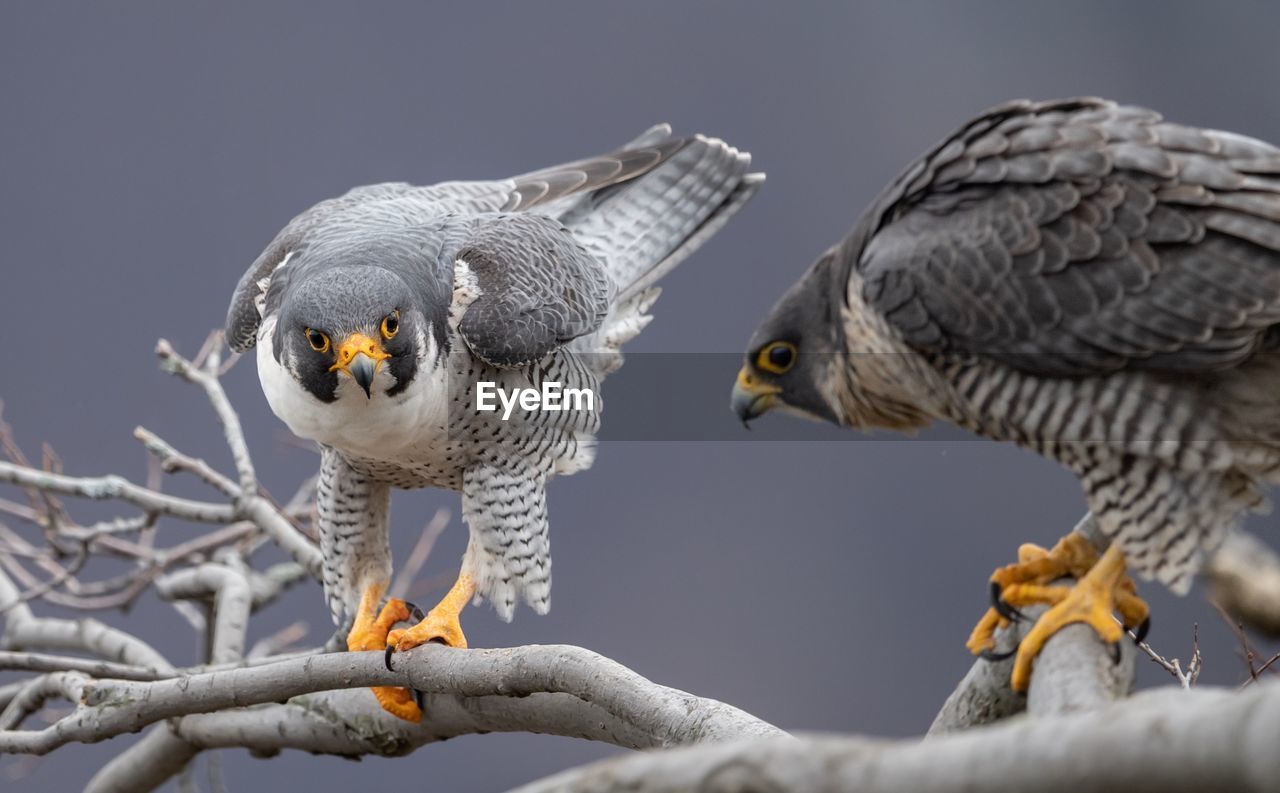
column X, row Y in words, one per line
column 551, row 397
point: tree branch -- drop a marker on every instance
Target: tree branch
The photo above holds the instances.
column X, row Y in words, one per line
column 38, row 662
column 146, row 765
column 650, row 715
column 116, row 487
column 1244, row 578
column 1166, row 740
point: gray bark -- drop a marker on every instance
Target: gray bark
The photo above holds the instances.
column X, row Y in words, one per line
column 1164, row 741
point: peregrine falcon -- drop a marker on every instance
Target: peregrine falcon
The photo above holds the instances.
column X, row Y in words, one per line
column 379, row 317
column 1085, row 280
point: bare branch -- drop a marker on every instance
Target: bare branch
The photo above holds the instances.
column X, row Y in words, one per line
column 270, row 519
column 270, row 645
column 418, row 556
column 1247, row 652
column 593, row 685
column 172, row 460
column 23, row 630
column 234, row 597
column 67, row 685
column 1166, row 740
column 1244, row 578
column 1266, row 665
column 146, row 765
column 39, row 662
column 1187, row 678
column 116, row 487
column 207, row 378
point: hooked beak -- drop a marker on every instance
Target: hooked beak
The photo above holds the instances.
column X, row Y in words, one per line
column 359, row 357
column 751, row 397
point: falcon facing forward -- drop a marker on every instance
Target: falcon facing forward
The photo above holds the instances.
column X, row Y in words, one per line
column 379, row 314
column 1082, row 279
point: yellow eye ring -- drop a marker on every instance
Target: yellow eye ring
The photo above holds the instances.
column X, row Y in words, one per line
column 391, row 325
column 776, row 357
column 318, row 341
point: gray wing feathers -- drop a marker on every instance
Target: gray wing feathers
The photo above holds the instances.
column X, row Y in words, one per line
column 743, row 192
column 629, row 313
column 537, row 289
column 1078, row 237
column 243, row 315
column 635, row 227
column 546, row 188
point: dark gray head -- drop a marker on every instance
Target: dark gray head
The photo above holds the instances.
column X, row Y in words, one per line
column 790, row 354
column 350, row 320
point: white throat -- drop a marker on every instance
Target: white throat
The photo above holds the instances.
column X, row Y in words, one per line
column 378, row 427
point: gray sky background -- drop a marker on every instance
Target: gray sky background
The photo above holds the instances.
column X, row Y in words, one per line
column 147, row 155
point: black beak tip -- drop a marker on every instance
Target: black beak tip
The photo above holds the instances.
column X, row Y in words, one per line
column 743, row 406
column 362, row 371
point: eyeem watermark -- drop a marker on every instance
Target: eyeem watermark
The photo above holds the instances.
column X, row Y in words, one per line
column 550, row 397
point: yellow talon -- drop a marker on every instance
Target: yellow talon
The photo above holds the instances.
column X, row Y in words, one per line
column 983, row 636
column 441, row 623
column 398, row 702
column 369, row 632
column 1102, row 588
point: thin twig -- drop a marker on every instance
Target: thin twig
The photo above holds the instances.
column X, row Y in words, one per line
column 42, row 662
column 227, row 416
column 1186, row 678
column 1237, row 628
column 418, row 556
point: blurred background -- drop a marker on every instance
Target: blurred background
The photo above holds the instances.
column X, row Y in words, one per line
column 149, row 151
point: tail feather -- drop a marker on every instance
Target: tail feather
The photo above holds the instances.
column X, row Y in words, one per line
column 650, row 137
column 638, row 224
column 742, row 193
column 642, row 227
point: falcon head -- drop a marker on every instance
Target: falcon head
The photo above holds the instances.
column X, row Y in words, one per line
column 350, row 331
column 789, row 358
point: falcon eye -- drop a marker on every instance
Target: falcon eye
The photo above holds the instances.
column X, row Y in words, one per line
column 777, row 357
column 318, row 341
column 391, row 325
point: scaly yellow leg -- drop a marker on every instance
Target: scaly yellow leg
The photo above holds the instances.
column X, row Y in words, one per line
column 441, row 623
column 369, row 632
column 1102, row 587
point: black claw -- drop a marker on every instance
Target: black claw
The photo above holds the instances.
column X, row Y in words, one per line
column 1140, row 634
column 386, row 659
column 1115, row 653
column 1004, row 609
column 416, row 614
column 992, row 655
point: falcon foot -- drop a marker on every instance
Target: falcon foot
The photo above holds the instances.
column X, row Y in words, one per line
column 1102, row 587
column 370, row 633
column 440, row 625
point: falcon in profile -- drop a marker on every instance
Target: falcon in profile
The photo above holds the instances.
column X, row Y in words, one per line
column 378, row 315
column 1082, row 279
